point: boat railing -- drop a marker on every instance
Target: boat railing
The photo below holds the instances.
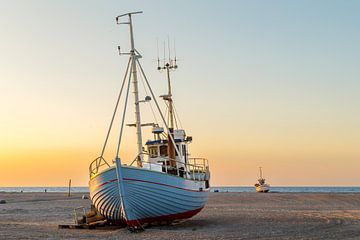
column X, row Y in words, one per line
column 97, row 165
column 199, row 166
column 194, row 169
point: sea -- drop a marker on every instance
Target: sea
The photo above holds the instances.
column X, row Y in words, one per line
column 213, row 189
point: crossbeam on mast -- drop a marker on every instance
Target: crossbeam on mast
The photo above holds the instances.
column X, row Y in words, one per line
column 126, row 14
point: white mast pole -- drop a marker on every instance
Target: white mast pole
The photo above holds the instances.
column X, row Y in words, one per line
column 136, row 95
column 134, row 57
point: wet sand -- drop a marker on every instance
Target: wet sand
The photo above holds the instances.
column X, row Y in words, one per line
column 227, row 216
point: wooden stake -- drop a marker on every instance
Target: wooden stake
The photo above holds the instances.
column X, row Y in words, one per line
column 69, row 188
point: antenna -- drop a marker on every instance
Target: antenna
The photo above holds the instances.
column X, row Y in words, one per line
column 158, row 60
column 174, row 48
column 170, row 63
column 175, row 65
column 164, row 59
column 169, row 49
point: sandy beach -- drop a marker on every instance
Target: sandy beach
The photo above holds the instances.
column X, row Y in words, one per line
column 227, row 216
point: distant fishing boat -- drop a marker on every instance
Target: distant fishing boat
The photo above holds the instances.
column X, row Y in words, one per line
column 162, row 183
column 261, row 186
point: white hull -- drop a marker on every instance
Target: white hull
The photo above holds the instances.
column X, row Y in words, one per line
column 148, row 196
column 263, row 188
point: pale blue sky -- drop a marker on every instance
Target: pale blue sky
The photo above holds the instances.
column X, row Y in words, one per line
column 254, row 75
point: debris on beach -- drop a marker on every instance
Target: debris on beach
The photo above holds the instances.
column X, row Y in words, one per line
column 90, row 220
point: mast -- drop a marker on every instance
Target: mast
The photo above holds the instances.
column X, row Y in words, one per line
column 260, row 173
column 136, row 94
column 133, row 58
column 171, row 147
column 170, row 65
column 171, row 109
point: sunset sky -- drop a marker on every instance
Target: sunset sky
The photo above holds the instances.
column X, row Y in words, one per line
column 260, row 83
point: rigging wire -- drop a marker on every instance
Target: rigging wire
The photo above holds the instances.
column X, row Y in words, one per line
column 151, row 107
column 176, row 124
column 177, row 117
column 115, row 110
column 168, row 120
column 123, row 117
column 167, row 116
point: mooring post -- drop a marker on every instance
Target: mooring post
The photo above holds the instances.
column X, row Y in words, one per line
column 69, row 188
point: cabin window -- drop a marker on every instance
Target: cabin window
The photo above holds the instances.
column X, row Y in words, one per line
column 163, row 151
column 153, row 151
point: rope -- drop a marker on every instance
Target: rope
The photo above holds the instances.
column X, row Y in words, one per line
column 116, row 106
column 123, row 117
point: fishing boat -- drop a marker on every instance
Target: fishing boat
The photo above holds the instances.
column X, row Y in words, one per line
column 261, row 186
column 162, row 182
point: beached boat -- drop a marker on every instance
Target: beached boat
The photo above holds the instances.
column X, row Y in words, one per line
column 163, row 183
column 261, row 186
